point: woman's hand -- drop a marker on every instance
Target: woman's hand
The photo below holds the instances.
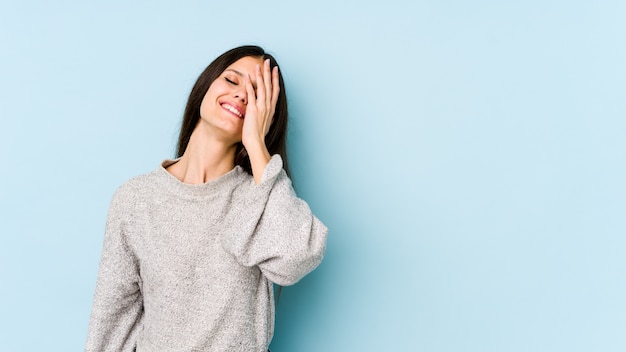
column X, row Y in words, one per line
column 261, row 104
column 259, row 113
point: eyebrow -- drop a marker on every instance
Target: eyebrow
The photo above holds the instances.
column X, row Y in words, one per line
column 237, row 72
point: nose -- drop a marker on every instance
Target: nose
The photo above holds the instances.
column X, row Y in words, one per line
column 241, row 95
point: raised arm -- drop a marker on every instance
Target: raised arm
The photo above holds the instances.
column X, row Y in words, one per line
column 269, row 226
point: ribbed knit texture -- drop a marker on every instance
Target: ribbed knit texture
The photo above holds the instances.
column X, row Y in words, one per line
column 190, row 267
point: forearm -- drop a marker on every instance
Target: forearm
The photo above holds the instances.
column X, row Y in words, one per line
column 259, row 158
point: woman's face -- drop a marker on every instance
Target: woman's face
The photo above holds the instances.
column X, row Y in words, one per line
column 224, row 104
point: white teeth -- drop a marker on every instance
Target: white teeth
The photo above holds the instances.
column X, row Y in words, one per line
column 232, row 109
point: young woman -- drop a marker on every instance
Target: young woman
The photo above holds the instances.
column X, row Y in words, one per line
column 192, row 249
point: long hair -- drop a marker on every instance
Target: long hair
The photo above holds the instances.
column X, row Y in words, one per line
column 276, row 138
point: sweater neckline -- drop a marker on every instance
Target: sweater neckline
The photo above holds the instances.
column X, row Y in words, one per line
column 207, row 189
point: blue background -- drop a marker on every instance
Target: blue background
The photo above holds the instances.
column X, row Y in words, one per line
column 469, row 159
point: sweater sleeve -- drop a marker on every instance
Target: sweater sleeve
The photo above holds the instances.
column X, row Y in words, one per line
column 117, row 307
column 274, row 229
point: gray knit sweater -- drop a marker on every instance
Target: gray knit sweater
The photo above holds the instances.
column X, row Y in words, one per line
column 190, row 267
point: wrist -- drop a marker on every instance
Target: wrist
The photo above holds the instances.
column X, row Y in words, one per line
column 253, row 141
column 259, row 158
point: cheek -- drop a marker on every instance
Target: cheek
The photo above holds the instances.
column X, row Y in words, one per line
column 204, row 107
column 208, row 101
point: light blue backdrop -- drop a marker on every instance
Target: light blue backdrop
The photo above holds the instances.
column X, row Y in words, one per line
column 469, row 158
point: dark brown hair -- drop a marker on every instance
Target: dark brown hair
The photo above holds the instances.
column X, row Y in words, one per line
column 276, row 138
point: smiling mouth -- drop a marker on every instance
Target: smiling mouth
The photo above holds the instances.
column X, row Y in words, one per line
column 233, row 110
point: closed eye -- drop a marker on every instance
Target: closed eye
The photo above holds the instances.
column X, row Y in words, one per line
column 229, row 81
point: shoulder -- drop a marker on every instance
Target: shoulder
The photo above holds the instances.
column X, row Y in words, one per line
column 136, row 189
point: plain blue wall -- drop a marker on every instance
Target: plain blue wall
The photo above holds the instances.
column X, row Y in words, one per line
column 469, row 158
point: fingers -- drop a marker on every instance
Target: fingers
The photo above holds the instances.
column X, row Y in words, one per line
column 267, row 86
column 250, row 91
column 264, row 96
column 260, row 87
column 267, row 79
column 275, row 89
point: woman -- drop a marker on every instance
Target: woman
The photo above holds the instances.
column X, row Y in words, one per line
column 191, row 249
